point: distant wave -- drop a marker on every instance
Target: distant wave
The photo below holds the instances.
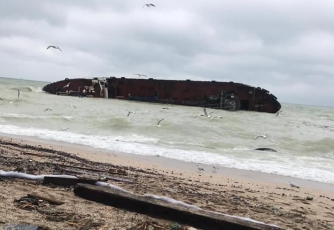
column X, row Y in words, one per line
column 26, row 116
column 35, row 89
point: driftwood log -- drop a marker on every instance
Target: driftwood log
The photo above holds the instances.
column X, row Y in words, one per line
column 48, row 199
column 157, row 208
column 63, row 181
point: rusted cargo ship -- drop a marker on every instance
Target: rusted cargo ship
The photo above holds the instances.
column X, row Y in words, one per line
column 212, row 94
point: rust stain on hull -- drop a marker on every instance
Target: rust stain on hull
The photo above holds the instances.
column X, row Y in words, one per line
column 218, row 95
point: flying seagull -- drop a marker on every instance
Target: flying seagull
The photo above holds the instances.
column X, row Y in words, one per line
column 148, row 5
column 73, row 106
column 130, row 113
column 140, row 75
column 279, row 113
column 262, row 136
column 47, row 109
column 64, row 129
column 160, row 121
column 206, row 114
column 68, row 84
column 55, row 47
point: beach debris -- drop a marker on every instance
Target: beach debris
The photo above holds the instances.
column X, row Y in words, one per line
column 73, row 219
column 33, row 154
column 63, row 181
column 48, row 199
column 158, row 208
column 27, row 203
column 309, row 198
column 148, row 225
column 24, row 227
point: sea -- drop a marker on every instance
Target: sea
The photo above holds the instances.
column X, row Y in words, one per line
column 303, row 135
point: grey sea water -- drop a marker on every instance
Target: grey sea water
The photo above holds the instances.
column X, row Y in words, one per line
column 303, row 135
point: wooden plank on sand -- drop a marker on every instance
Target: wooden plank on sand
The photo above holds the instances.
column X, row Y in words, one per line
column 50, row 200
column 63, row 181
column 197, row 218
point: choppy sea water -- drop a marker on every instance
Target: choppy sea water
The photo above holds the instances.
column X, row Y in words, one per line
column 302, row 135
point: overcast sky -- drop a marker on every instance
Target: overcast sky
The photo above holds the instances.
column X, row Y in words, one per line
column 285, row 46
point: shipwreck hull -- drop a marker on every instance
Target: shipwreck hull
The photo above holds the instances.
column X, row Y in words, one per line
column 218, row 95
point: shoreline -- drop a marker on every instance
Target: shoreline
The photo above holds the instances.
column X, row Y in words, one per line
column 168, row 164
column 257, row 196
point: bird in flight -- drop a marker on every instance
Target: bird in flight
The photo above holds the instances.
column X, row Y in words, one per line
column 262, row 136
column 149, row 5
column 68, row 84
column 160, row 121
column 130, row 113
column 64, row 129
column 140, row 75
column 206, row 114
column 55, row 47
column 47, row 109
column 279, row 113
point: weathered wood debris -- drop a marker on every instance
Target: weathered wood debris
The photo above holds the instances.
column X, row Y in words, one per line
column 154, row 207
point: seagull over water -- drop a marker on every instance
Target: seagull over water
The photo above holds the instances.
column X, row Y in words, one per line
column 130, row 113
column 264, row 136
column 64, row 129
column 206, row 114
column 279, row 113
column 160, row 121
column 47, row 109
column 55, row 47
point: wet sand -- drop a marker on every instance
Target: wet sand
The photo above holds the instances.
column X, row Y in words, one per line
column 263, row 197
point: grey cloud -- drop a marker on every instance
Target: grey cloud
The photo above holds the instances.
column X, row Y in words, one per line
column 283, row 46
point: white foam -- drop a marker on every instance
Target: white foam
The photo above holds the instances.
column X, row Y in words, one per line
column 276, row 163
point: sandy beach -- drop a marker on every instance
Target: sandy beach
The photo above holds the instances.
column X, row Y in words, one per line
column 259, row 196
